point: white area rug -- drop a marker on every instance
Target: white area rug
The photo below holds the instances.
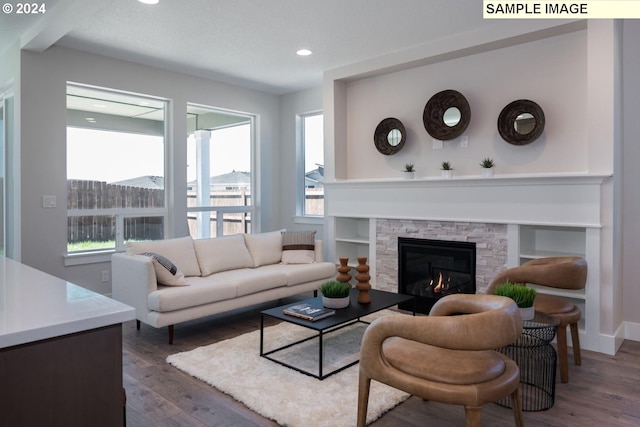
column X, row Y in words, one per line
column 290, row 398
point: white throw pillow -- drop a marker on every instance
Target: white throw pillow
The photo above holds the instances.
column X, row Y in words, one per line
column 265, row 248
column 167, row 273
column 179, row 250
column 298, row 247
column 222, row 254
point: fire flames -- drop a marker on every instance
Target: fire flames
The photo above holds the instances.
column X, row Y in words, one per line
column 441, row 285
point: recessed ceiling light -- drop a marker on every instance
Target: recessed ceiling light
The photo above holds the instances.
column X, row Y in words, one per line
column 304, row 52
column 149, row 1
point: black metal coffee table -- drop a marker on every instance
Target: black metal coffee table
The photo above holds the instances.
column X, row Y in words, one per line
column 344, row 317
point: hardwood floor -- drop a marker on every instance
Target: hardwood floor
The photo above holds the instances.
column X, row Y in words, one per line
column 603, row 392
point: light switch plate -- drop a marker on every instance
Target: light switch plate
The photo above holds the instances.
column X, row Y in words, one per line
column 464, row 141
column 48, row 201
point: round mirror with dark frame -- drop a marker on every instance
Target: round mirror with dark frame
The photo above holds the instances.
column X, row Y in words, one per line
column 389, row 136
column 521, row 122
column 446, row 115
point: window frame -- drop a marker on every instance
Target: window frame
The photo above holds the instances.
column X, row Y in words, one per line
column 302, row 215
column 119, row 214
column 221, row 211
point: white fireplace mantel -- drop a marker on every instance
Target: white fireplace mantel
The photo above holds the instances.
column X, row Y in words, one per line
column 544, row 215
column 552, row 199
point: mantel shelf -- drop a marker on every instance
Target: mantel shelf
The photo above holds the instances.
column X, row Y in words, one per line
column 471, row 180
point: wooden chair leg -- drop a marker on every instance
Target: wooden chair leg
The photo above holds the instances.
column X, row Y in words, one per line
column 364, row 385
column 563, row 359
column 516, row 402
column 137, row 324
column 575, row 342
column 473, row 415
column 170, row 334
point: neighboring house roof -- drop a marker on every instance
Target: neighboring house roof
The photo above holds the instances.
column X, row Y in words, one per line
column 147, row 181
column 315, row 178
column 233, row 177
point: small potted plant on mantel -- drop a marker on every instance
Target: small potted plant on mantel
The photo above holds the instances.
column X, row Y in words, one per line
column 487, row 167
column 522, row 295
column 447, row 170
column 409, row 171
column 335, row 294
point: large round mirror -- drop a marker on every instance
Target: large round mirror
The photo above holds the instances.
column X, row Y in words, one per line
column 446, row 115
column 389, row 136
column 521, row 122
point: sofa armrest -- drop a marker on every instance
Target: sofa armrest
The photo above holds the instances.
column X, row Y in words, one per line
column 133, row 278
column 318, row 250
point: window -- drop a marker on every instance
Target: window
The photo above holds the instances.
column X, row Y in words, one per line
column 115, row 169
column 219, row 178
column 312, row 147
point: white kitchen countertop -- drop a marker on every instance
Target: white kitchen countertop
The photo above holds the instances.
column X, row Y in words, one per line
column 35, row 306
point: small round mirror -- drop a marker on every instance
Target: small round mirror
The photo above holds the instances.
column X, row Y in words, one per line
column 521, row 122
column 394, row 137
column 524, row 123
column 452, row 117
column 446, row 115
column 389, row 136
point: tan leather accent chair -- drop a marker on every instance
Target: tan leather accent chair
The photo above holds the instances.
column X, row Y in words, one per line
column 448, row 356
column 560, row 273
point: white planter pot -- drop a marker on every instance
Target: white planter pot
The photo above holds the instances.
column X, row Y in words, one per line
column 447, row 173
column 336, row 302
column 527, row 313
column 409, row 175
column 488, row 172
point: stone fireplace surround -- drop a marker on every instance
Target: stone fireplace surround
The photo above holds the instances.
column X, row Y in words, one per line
column 490, row 240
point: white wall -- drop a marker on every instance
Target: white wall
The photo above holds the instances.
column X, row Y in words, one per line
column 43, row 139
column 630, row 156
column 551, row 72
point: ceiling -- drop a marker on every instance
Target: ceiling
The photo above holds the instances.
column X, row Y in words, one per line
column 246, row 42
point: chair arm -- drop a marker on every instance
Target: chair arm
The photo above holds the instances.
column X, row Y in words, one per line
column 477, row 331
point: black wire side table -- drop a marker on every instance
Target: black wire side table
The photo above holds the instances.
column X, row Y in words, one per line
column 536, row 358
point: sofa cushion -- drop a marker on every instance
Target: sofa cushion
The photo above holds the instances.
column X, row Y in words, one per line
column 179, row 250
column 222, row 254
column 265, row 248
column 167, row 273
column 302, row 273
column 250, row 281
column 201, row 290
column 298, row 247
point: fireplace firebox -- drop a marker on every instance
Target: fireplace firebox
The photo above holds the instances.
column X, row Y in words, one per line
column 430, row 269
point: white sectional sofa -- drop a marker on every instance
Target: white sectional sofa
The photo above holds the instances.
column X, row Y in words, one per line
column 182, row 279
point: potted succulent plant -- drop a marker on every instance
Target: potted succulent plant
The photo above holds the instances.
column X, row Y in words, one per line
column 335, row 294
column 487, row 167
column 522, row 295
column 447, row 170
column 409, row 171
